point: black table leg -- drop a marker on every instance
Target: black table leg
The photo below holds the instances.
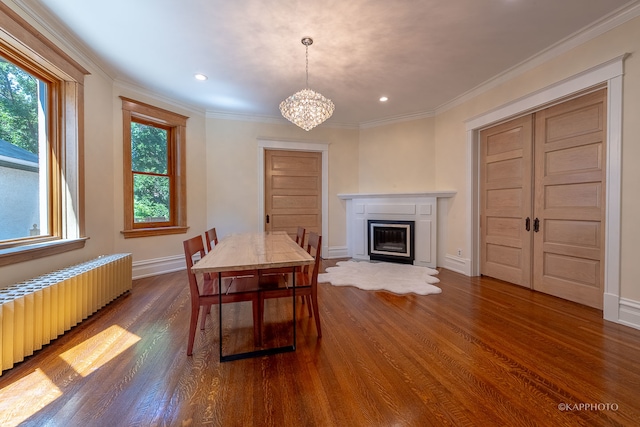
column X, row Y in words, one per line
column 261, row 352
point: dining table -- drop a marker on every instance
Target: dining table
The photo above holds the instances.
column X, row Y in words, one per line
column 250, row 252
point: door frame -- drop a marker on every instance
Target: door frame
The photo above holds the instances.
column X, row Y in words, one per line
column 278, row 144
column 608, row 74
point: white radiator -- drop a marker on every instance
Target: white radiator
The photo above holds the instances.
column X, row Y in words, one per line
column 34, row 312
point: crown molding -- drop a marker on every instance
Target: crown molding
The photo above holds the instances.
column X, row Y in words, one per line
column 133, row 88
column 45, row 21
column 48, row 24
column 613, row 20
column 397, row 119
column 223, row 115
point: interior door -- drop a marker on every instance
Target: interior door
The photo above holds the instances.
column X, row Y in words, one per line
column 570, row 199
column 293, row 191
column 505, row 200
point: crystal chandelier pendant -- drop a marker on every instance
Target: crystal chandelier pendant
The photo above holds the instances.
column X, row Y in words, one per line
column 307, row 108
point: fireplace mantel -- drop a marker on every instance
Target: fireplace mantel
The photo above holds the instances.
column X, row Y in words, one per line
column 395, row 195
column 420, row 207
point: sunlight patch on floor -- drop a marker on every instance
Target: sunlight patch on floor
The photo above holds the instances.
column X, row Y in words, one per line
column 98, row 350
column 26, row 397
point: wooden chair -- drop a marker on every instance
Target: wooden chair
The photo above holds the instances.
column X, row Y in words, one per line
column 210, row 236
column 278, row 286
column 300, row 234
column 299, row 240
column 205, row 293
column 211, row 239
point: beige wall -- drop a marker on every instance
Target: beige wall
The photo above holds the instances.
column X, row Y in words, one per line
column 232, row 172
column 397, row 157
column 451, row 150
column 222, row 160
column 99, row 194
column 156, row 247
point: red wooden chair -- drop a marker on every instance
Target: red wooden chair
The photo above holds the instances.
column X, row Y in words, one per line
column 204, row 293
column 300, row 234
column 300, row 241
column 278, row 286
column 211, row 239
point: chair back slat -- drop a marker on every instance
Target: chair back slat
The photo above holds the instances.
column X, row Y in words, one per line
column 300, row 236
column 211, row 237
column 192, row 247
column 314, row 249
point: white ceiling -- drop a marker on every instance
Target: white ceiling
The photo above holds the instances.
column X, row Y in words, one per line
column 420, row 53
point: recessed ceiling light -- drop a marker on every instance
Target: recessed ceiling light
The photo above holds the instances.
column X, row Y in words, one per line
column 383, row 99
column 200, row 77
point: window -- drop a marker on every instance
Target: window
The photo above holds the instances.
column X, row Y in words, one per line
column 154, row 170
column 41, row 166
column 24, row 171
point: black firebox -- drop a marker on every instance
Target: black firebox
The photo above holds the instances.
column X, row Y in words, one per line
column 391, row 241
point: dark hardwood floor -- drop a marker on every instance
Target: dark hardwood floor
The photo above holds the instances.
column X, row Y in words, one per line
column 481, row 353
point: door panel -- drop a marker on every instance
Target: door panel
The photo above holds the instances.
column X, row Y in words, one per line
column 293, row 191
column 569, row 199
column 505, row 200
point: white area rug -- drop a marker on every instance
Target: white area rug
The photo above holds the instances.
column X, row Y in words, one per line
column 376, row 276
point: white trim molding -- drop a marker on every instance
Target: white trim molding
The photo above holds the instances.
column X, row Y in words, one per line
column 610, row 74
column 156, row 266
column 457, row 264
column 337, row 252
column 277, row 144
column 628, row 313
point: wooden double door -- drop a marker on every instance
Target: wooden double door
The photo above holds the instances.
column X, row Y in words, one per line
column 542, row 199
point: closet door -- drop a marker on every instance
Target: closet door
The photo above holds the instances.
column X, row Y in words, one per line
column 505, row 200
column 570, row 199
column 293, row 191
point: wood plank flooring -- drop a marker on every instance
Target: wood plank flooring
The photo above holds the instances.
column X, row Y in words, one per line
column 482, row 353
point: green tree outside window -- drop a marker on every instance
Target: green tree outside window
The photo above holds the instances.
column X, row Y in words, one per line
column 151, row 183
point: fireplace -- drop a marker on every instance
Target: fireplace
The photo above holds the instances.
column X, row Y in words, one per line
column 391, row 241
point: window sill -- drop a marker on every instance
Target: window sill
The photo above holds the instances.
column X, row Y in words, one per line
column 24, row 253
column 158, row 231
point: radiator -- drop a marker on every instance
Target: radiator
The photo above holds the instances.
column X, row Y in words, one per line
column 37, row 311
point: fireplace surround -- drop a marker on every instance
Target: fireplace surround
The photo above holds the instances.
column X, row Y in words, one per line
column 421, row 208
column 391, row 240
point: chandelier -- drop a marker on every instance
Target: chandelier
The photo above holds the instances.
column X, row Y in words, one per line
column 307, row 108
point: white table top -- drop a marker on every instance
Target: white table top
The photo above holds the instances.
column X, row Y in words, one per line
column 253, row 251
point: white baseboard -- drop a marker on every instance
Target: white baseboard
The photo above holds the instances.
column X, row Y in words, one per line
column 611, row 307
column 629, row 313
column 337, row 252
column 457, row 264
column 154, row 267
column 621, row 310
